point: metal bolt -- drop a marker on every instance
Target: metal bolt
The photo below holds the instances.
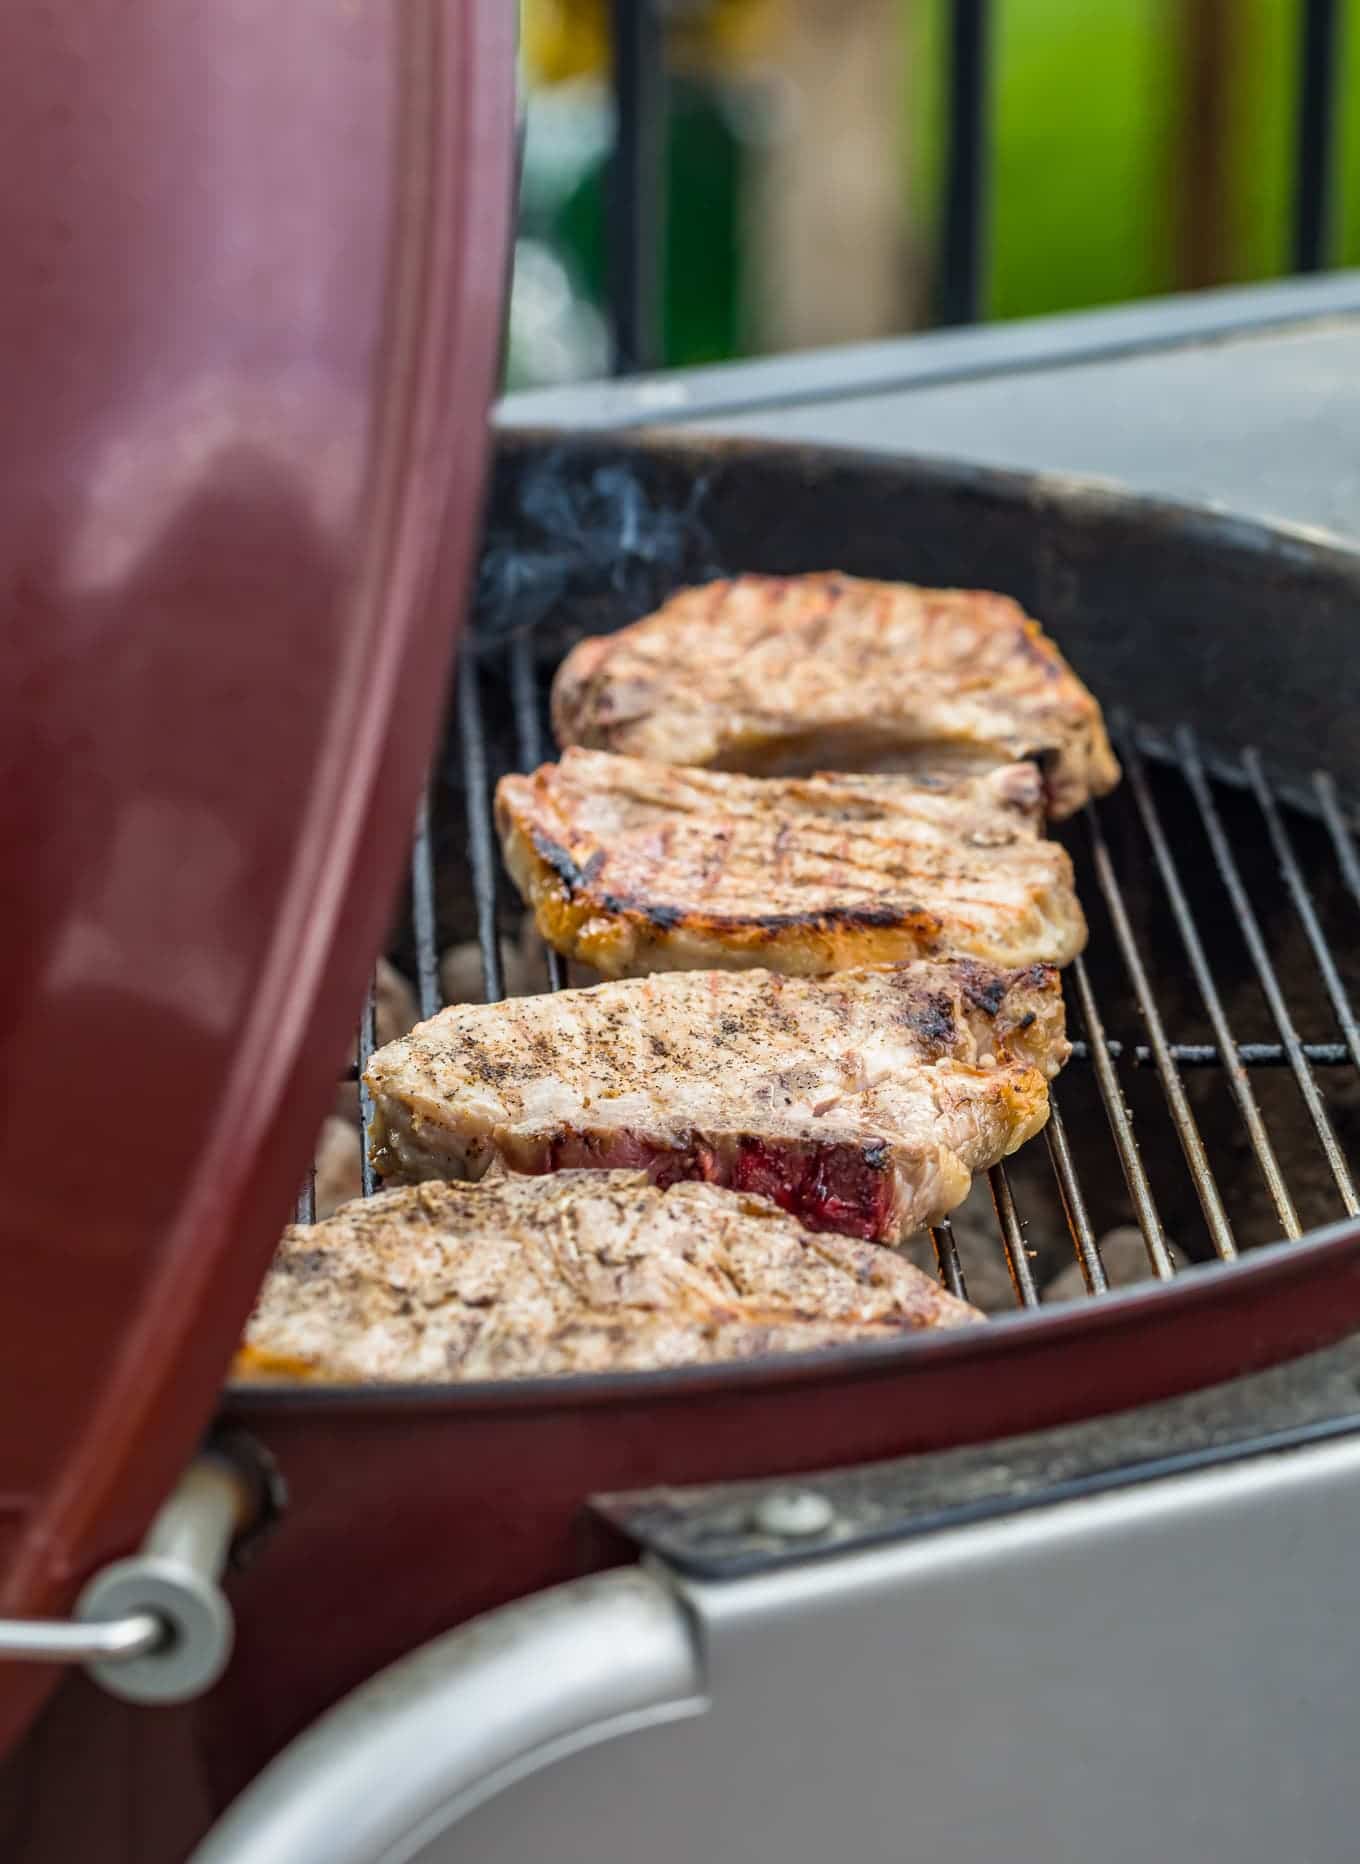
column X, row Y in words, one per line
column 792, row 1514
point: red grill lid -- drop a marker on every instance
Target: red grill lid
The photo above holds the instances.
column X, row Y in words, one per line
column 253, row 261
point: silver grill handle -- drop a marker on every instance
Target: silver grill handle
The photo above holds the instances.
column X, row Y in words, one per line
column 156, row 1627
column 412, row 1751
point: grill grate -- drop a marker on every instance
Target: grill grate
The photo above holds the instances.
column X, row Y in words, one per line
column 1170, row 869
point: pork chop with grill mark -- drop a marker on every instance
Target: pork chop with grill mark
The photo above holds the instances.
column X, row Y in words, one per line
column 575, row 1272
column 861, row 1102
column 779, row 675
column 632, row 867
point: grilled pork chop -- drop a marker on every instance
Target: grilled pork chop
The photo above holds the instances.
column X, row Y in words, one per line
column 785, row 674
column 861, row 1102
column 633, row 867
column 576, row 1272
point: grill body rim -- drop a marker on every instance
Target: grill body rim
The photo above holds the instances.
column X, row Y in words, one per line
column 1313, row 1268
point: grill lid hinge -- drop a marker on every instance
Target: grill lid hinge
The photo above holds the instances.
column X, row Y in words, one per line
column 157, row 1626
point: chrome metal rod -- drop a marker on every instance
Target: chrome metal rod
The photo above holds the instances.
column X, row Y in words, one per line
column 1303, row 903
column 947, row 1258
column 1228, row 871
column 1121, row 1129
column 1182, row 1118
column 1238, row 1082
column 1343, row 841
column 368, row 1041
column 480, row 829
column 304, row 1211
column 1207, row 1054
column 424, row 918
column 529, row 744
column 1073, row 1201
column 52, row 1640
column 1012, row 1237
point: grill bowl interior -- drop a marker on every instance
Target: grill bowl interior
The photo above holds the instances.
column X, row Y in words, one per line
column 476, row 1494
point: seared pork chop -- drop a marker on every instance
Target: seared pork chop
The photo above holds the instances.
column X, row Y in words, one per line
column 633, row 867
column 576, row 1272
column 861, row 1102
column 778, row 675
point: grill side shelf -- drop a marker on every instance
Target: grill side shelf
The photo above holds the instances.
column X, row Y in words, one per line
column 741, row 1528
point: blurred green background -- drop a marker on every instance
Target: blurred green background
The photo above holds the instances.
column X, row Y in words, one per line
column 1137, row 147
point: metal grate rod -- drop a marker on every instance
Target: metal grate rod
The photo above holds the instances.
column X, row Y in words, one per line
column 1227, row 867
column 1208, row 1055
column 529, row 743
column 1339, row 829
column 947, row 1258
column 1012, row 1237
column 480, row 832
column 1121, row 1127
column 524, row 693
column 424, row 923
column 304, row 1211
column 1238, row 1081
column 1303, row 903
column 1187, row 1131
column 368, row 1041
column 1073, row 1201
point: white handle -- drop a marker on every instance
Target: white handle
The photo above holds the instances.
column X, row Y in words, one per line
column 415, row 1749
